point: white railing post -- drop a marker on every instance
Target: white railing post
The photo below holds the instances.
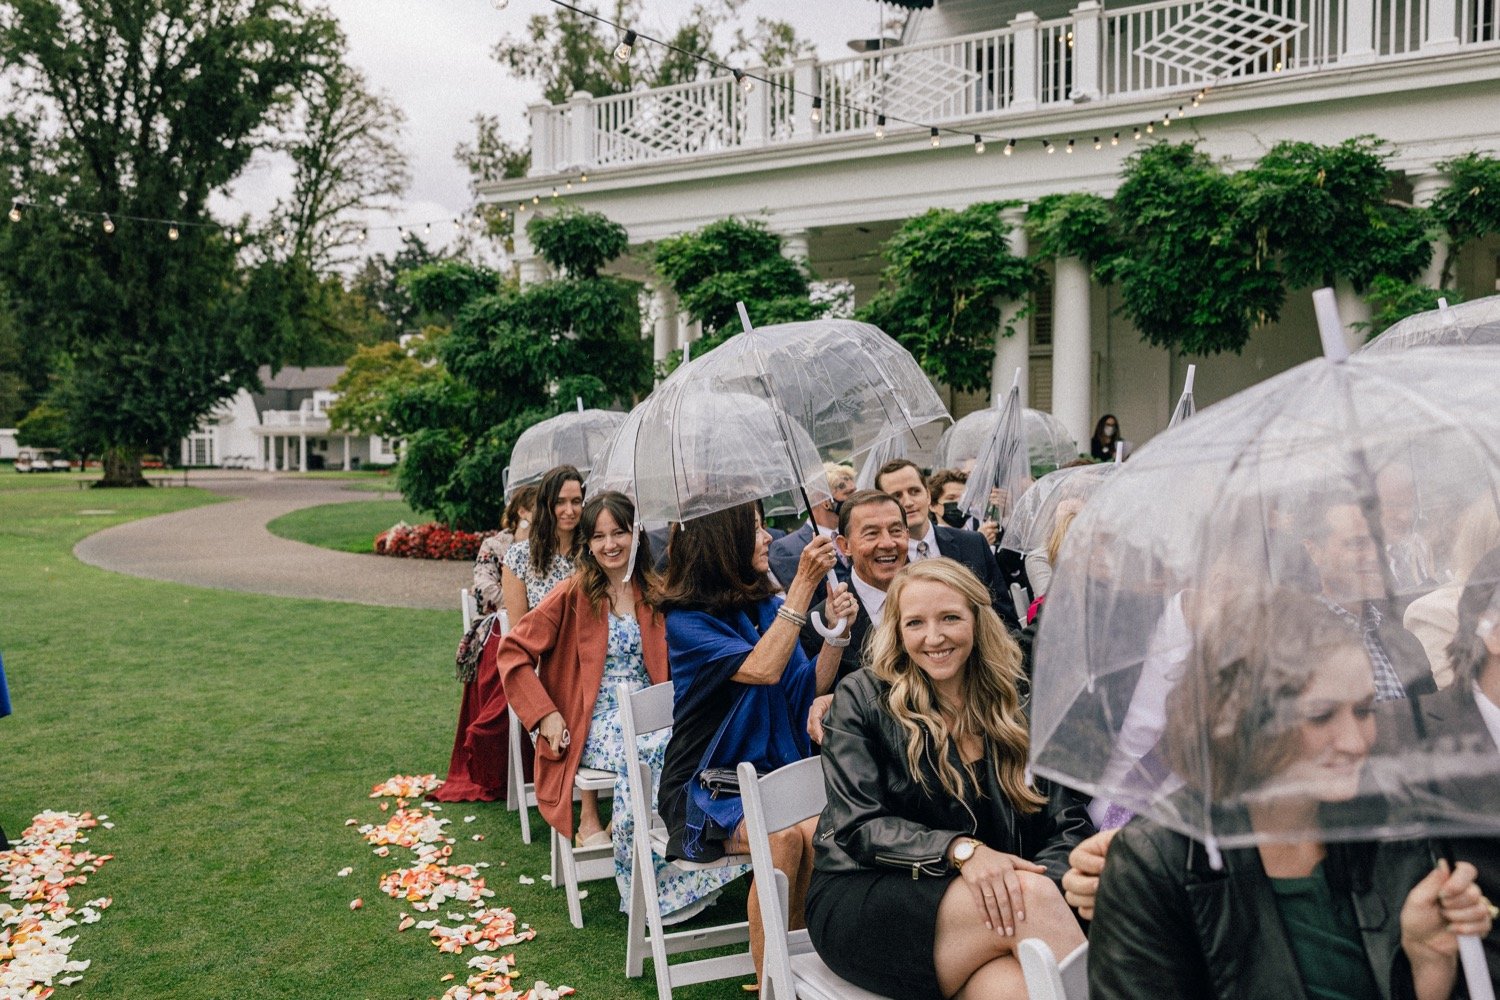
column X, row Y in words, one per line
column 1359, row 31
column 804, row 85
column 1025, row 27
column 581, row 130
column 543, row 121
column 1442, row 26
column 1088, row 50
column 757, row 111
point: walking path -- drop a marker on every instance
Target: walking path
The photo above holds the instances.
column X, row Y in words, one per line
column 226, row 546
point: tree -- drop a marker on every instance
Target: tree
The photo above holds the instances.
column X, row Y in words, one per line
column 1469, row 208
column 158, row 105
column 1072, row 225
column 731, row 261
column 378, row 375
column 380, row 281
column 948, row 274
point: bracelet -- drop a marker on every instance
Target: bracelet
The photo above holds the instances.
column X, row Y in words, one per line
column 796, row 619
column 838, row 643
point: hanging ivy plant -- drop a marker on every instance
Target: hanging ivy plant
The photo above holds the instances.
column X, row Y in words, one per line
column 1072, row 225
column 948, row 275
column 1469, row 208
column 1191, row 277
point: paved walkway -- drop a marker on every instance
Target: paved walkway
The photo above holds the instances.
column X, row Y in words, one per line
column 226, row 546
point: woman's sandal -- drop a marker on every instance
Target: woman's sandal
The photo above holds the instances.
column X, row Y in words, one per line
column 598, row 838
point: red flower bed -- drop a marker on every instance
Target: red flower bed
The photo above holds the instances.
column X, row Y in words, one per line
column 429, row 541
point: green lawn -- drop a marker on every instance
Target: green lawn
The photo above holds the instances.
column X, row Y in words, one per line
column 347, row 527
column 229, row 736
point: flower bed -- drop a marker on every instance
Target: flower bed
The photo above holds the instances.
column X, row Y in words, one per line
column 429, row 541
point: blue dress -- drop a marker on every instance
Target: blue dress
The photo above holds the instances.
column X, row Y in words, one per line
column 605, row 751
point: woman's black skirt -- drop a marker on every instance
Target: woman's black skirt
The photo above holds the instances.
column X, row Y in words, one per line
column 876, row 929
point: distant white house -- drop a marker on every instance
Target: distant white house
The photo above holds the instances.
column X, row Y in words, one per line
column 9, row 449
column 284, row 428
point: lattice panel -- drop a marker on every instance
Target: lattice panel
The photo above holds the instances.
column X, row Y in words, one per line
column 917, row 86
column 1219, row 38
column 667, row 125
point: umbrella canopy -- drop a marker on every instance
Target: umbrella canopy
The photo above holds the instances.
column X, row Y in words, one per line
column 1002, row 470
column 1476, row 322
column 1031, row 524
column 1221, row 579
column 572, row 438
column 1048, row 444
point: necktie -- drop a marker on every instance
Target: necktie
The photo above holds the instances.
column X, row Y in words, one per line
column 923, row 549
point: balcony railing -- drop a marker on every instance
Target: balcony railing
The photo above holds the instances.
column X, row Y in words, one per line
column 291, row 420
column 1163, row 47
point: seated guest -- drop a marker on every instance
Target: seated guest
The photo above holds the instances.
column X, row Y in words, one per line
column 515, row 526
column 935, row 855
column 945, row 488
column 824, row 521
column 1290, row 695
column 741, row 686
column 560, row 667
column 903, row 480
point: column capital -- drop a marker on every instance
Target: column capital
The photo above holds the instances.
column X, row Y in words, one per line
column 1426, row 186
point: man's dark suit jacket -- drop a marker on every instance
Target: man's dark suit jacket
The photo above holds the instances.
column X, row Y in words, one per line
column 971, row 549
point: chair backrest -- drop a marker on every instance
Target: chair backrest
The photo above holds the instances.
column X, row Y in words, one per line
column 1048, row 979
column 783, row 798
column 468, row 607
column 648, row 709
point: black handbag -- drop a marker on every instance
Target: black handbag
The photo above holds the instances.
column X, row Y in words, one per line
column 720, row 781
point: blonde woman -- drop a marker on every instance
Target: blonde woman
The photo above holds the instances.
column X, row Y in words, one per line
column 935, row 856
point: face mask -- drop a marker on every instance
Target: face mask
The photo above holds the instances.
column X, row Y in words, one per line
column 1109, row 430
column 953, row 517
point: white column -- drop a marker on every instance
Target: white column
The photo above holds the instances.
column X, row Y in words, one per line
column 664, row 322
column 302, row 452
column 530, row 266
column 757, row 111
column 1025, row 96
column 276, row 453
column 1442, row 26
column 1014, row 351
column 1353, row 308
column 1088, row 49
column 688, row 329
column 580, row 130
column 794, row 246
column 1359, row 27
column 1425, row 188
column 1072, row 347
column 346, row 453
column 804, row 85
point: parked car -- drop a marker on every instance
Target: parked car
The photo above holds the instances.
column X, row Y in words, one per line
column 40, row 460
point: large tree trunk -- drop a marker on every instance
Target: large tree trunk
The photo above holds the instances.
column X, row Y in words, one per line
column 122, row 467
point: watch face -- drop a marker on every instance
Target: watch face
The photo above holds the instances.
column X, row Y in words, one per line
column 964, row 851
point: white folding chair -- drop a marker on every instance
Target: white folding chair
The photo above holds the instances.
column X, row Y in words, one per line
column 784, row 798
column 647, row 711
column 469, row 608
column 1022, row 602
column 520, row 794
column 1049, row 979
column 571, row 865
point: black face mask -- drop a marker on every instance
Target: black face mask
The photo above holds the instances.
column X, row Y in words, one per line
column 953, row 517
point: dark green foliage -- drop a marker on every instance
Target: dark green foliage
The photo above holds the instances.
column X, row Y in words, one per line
column 445, row 287
column 1072, row 225
column 1191, row 276
column 1469, row 208
column 575, row 243
column 732, row 261
column 949, row 274
column 46, row 426
column 1323, row 212
column 1394, row 300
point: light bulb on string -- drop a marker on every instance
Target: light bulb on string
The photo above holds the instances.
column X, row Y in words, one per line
column 1180, row 112
column 520, row 207
column 238, row 237
column 427, row 229
column 817, row 111
column 1150, row 128
column 15, row 211
column 400, row 231
column 504, row 215
column 1047, row 145
column 499, row 4
column 1137, row 134
column 1197, row 98
column 979, row 144
column 1097, row 143
column 937, row 139
column 108, row 225
column 364, row 234
column 583, row 178
column 1070, row 145
column 569, row 185
column 746, row 82
column 536, row 199
column 1115, row 141
column 880, row 126
column 626, row 46
column 172, row 233
column 1010, row 147
column 1166, row 121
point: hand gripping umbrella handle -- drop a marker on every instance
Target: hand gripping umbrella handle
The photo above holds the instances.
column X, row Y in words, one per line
column 837, row 629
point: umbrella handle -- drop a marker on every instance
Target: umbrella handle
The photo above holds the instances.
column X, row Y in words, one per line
column 1476, row 969
column 839, row 627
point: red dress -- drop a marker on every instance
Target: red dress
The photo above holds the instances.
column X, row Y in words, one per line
column 480, row 765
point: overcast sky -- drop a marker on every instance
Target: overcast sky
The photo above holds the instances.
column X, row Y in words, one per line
column 433, row 59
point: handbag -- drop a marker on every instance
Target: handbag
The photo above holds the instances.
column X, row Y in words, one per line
column 471, row 647
column 719, row 781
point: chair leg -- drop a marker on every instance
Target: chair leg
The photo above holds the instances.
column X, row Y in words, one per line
column 636, row 930
column 569, row 865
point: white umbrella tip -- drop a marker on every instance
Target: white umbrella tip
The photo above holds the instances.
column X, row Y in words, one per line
column 744, row 316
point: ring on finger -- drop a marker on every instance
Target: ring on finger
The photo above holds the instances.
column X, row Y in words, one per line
column 1494, row 910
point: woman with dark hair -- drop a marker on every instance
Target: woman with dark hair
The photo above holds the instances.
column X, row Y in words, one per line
column 560, row 666
column 533, row 567
column 515, row 526
column 936, row 855
column 1107, row 439
column 741, row 685
column 1273, row 726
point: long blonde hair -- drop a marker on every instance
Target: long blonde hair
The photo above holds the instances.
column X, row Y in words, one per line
column 991, row 704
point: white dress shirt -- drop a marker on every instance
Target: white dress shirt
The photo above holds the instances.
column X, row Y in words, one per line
column 929, row 540
column 872, row 600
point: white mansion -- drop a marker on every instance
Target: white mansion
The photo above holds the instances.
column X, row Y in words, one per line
column 1422, row 74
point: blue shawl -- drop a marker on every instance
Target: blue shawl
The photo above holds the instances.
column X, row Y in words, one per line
column 4, row 692
column 767, row 724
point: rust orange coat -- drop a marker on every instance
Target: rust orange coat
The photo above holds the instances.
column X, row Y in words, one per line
column 565, row 640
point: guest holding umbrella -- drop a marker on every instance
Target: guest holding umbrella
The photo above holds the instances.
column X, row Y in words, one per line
column 742, row 686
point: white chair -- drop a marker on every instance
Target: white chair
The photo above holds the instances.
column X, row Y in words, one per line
column 1021, row 600
column 1048, row 979
column 469, row 608
column 647, row 711
column 520, row 794
column 784, row 798
column 571, row 865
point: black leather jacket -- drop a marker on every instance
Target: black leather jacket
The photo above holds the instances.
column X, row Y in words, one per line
column 878, row 816
column 1168, row 926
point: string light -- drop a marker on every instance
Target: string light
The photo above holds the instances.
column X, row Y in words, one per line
column 1097, row 143
column 1115, row 141
column 626, row 46
column 15, row 211
column 1137, row 135
column 108, row 225
column 520, row 207
column 817, row 111
column 499, row 4
column 880, row 126
column 746, row 82
column 1150, row 128
column 937, row 139
column 1180, row 112
column 238, row 237
column 554, row 192
column 172, row 233
column 1070, row 145
column 1047, row 145
column 583, row 178
column 364, row 234
column 568, row 186
column 1166, row 121
column 978, row 144
column 536, row 199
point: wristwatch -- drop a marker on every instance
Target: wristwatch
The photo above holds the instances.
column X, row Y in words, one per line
column 963, row 851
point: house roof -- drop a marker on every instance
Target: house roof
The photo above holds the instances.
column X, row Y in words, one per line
column 321, row 377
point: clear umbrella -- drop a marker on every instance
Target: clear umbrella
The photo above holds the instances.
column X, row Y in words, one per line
column 1475, row 323
column 1199, row 592
column 1048, row 444
column 1186, row 407
column 573, row 438
column 1031, row 523
column 1002, row 469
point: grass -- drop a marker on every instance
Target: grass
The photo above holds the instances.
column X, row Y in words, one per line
column 346, row 527
column 229, row 736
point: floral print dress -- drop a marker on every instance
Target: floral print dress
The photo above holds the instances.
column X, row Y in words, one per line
column 605, row 751
column 518, row 561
